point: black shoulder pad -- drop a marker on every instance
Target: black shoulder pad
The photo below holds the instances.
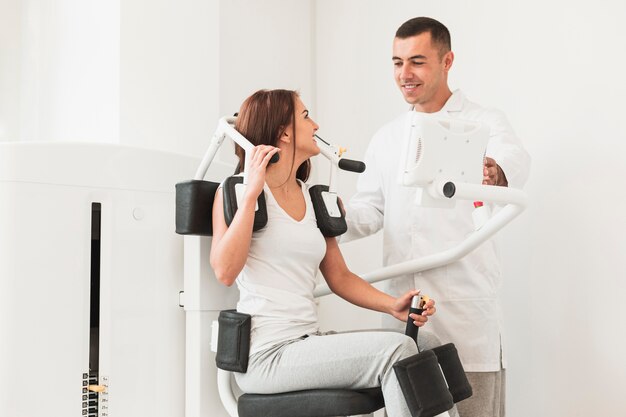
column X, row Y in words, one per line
column 329, row 226
column 230, row 203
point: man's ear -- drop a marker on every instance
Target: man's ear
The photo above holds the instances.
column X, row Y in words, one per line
column 448, row 59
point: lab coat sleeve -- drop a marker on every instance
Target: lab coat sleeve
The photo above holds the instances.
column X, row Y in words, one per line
column 365, row 211
column 507, row 150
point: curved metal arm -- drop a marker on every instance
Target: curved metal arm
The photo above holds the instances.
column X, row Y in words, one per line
column 216, row 142
column 333, row 154
column 226, row 392
column 516, row 199
column 474, row 192
column 225, row 128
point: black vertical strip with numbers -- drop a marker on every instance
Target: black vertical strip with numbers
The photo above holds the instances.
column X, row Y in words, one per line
column 90, row 398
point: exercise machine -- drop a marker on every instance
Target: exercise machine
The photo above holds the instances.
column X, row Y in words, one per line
column 93, row 278
column 460, row 146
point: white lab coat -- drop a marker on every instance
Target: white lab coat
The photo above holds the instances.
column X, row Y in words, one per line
column 466, row 292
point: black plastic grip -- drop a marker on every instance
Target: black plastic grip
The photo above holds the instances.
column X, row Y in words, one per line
column 351, row 165
column 411, row 328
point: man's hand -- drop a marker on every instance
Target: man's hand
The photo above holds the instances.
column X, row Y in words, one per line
column 493, row 174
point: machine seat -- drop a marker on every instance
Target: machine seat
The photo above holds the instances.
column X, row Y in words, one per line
column 317, row 403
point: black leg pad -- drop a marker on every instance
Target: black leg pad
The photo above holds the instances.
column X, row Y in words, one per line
column 458, row 384
column 194, row 205
column 423, row 385
column 233, row 342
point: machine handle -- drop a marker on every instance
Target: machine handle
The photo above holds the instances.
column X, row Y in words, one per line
column 351, row 165
column 417, row 307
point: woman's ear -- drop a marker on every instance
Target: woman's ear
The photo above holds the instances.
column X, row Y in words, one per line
column 285, row 135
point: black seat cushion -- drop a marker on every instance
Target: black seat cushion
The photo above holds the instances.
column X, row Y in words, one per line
column 311, row 403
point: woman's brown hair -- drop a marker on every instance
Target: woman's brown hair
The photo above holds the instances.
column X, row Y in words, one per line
column 262, row 120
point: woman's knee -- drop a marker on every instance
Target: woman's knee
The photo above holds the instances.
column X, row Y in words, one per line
column 406, row 347
column 427, row 340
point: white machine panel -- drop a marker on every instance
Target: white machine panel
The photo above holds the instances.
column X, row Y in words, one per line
column 46, row 196
column 443, row 148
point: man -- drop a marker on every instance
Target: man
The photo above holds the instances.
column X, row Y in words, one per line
column 466, row 291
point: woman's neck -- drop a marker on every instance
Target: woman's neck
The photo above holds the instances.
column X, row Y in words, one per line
column 281, row 177
column 282, row 174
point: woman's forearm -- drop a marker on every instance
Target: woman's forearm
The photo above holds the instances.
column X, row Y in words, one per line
column 349, row 286
column 355, row 290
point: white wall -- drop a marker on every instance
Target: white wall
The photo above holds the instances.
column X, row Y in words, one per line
column 169, row 78
column 555, row 68
column 153, row 74
column 263, row 44
column 10, row 27
column 67, row 71
column 158, row 74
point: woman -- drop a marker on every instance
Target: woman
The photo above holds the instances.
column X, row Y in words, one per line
column 275, row 269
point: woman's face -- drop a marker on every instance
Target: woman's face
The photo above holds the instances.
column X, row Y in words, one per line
column 305, row 130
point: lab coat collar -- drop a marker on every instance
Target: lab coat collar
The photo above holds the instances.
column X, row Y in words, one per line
column 454, row 104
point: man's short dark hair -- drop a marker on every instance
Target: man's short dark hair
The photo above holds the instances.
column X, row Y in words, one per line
column 439, row 34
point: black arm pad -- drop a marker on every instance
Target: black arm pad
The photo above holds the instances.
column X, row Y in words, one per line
column 194, row 207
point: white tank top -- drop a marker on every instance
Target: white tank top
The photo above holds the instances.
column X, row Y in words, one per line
column 276, row 284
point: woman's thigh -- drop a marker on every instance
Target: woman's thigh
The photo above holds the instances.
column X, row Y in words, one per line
column 350, row 360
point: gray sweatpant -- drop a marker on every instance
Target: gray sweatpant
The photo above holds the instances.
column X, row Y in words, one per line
column 350, row 360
